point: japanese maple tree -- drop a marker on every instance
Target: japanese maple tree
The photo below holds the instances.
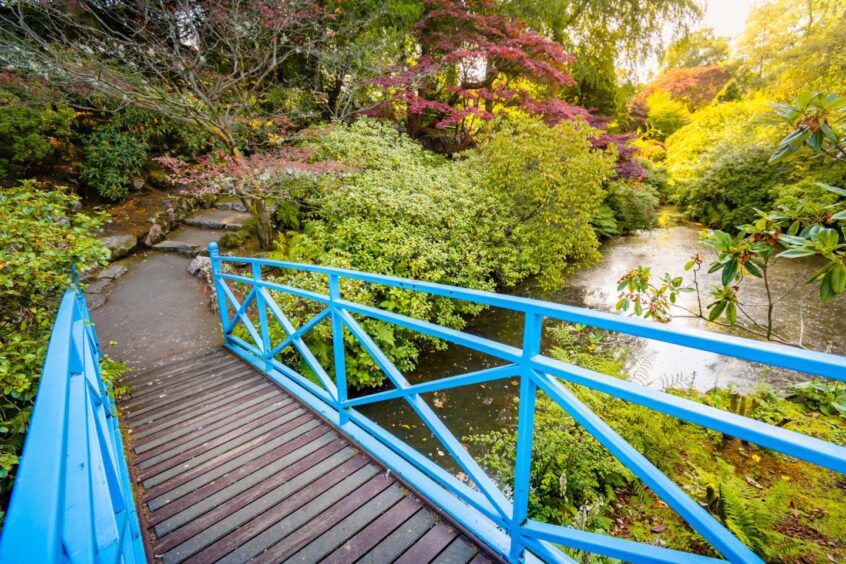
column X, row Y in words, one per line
column 474, row 61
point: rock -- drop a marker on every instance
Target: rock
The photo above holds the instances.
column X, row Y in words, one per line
column 231, row 205
column 93, row 301
column 158, row 176
column 219, row 219
column 233, row 239
column 137, row 184
column 180, row 247
column 199, row 266
column 120, row 245
column 100, row 286
column 155, row 235
column 113, row 272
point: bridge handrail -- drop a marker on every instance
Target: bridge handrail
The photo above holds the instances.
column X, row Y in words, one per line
column 72, row 499
column 485, row 510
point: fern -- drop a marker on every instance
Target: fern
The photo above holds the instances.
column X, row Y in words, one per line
column 747, row 518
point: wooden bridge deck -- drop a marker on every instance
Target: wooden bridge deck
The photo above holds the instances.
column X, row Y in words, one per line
column 231, row 468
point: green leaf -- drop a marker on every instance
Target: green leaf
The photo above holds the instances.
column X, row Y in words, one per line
column 716, row 310
column 753, row 269
column 814, row 140
column 796, row 253
column 834, row 189
column 729, row 272
column 829, row 133
column 731, row 313
column 838, row 278
column 826, row 291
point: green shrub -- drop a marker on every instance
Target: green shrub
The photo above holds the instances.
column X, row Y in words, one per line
column 737, row 183
column 112, row 159
column 665, row 115
column 31, row 134
column 40, row 240
column 604, row 222
column 521, row 207
column 634, row 205
column 551, row 182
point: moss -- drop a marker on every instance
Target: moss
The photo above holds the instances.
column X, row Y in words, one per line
column 234, row 239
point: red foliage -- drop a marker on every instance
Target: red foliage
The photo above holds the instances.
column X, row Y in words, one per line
column 485, row 52
column 473, row 61
column 695, row 86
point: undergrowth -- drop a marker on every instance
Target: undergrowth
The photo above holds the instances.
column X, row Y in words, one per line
column 784, row 509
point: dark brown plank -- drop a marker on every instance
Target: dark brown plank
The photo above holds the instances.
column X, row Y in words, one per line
column 213, row 441
column 228, row 522
column 236, row 469
column 429, row 545
column 236, row 502
column 362, row 542
column 278, row 512
column 182, row 503
column 213, row 419
column 327, row 519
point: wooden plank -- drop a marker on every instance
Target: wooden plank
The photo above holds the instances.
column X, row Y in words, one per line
column 335, row 535
column 201, row 509
column 197, row 403
column 147, row 443
column 162, row 395
column 156, row 390
column 219, row 523
column 254, row 432
column 213, row 472
column 257, row 469
column 212, row 423
column 235, row 469
column 373, row 534
column 204, row 359
column 458, row 552
column 295, row 497
column 429, row 545
column 253, row 442
column 329, row 518
column 400, row 539
column 281, row 529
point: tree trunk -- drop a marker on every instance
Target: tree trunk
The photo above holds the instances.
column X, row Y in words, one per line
column 264, row 225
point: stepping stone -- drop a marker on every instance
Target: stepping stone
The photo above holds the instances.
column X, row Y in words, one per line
column 180, row 247
column 218, row 219
column 120, row 245
column 188, row 241
column 113, row 272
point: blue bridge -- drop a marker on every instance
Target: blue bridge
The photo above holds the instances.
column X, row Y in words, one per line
column 234, row 455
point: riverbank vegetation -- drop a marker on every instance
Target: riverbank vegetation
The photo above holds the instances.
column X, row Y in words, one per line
column 472, row 143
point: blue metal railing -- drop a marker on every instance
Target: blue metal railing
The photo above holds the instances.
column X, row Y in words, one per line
column 72, row 499
column 485, row 510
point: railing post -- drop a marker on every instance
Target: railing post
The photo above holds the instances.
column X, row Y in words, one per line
column 221, row 299
column 532, row 330
column 338, row 346
column 262, row 313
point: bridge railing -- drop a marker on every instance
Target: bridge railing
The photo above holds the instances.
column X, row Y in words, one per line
column 72, row 498
column 501, row 521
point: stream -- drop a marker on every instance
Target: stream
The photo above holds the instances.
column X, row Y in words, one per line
column 799, row 315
